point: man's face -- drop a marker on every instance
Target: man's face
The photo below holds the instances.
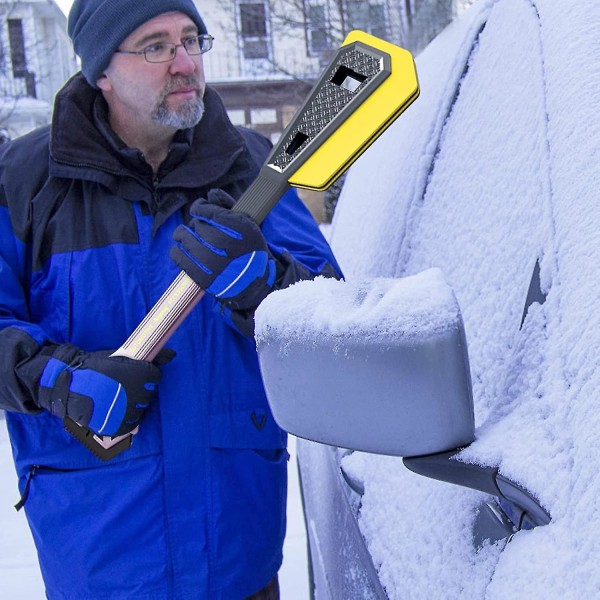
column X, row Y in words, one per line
column 169, row 94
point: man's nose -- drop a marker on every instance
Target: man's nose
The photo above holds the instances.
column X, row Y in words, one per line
column 183, row 62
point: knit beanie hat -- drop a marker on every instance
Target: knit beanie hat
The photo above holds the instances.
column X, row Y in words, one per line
column 97, row 27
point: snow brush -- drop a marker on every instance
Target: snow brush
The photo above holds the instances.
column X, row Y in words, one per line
column 366, row 86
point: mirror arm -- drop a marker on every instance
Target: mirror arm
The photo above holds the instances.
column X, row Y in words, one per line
column 444, row 466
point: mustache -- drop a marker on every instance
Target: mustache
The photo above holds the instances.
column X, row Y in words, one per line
column 181, row 82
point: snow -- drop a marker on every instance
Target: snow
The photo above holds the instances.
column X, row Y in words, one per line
column 494, row 168
column 377, row 309
column 20, row 577
column 293, row 575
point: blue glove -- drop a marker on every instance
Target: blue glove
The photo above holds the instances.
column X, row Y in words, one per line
column 107, row 394
column 225, row 253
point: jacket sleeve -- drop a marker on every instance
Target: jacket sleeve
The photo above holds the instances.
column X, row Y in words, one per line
column 299, row 248
column 291, row 230
column 21, row 342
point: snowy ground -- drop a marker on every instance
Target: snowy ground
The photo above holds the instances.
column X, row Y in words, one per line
column 19, row 573
column 294, row 573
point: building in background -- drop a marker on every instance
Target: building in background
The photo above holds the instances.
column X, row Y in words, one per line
column 422, row 20
column 36, row 58
column 268, row 53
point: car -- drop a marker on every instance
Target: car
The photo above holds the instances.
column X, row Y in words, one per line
column 489, row 186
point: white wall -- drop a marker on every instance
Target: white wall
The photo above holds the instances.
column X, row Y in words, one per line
column 49, row 56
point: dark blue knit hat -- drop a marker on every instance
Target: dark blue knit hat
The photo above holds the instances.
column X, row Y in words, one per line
column 97, row 27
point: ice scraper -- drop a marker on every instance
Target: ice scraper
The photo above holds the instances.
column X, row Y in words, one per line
column 365, row 87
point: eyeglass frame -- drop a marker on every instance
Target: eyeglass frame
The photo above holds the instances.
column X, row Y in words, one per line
column 202, row 36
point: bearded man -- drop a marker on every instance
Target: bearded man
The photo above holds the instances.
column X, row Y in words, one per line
column 133, row 181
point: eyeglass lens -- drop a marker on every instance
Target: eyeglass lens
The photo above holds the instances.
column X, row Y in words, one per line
column 163, row 52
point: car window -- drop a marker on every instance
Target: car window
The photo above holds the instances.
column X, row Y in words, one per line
column 488, row 182
column 475, row 201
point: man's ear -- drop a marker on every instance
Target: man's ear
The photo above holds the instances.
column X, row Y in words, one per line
column 103, row 83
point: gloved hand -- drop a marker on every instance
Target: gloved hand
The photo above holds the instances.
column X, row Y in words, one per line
column 225, row 253
column 107, row 394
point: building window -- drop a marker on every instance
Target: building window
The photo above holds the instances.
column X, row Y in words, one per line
column 263, row 116
column 16, row 40
column 237, row 116
column 367, row 16
column 17, row 47
column 253, row 22
column 317, row 39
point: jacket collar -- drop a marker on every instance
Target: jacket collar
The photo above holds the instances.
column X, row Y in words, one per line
column 83, row 146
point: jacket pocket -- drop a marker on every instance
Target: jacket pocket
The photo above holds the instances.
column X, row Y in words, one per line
column 42, row 440
column 254, row 429
column 99, row 532
column 248, row 460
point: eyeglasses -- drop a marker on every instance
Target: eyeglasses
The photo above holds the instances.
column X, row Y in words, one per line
column 165, row 51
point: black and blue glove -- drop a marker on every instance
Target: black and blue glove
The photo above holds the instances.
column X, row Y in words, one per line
column 225, row 253
column 107, row 394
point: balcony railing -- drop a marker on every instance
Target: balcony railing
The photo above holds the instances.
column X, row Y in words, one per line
column 224, row 64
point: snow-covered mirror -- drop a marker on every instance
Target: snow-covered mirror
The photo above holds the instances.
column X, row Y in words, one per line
column 378, row 366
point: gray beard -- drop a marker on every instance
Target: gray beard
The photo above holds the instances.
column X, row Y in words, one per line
column 186, row 116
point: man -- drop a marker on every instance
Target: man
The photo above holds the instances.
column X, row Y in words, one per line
column 140, row 151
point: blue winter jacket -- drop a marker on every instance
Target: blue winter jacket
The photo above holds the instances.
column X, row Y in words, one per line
column 195, row 508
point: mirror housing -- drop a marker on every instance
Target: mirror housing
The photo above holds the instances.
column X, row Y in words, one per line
column 402, row 393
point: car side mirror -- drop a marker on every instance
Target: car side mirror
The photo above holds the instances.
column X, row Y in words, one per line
column 378, row 367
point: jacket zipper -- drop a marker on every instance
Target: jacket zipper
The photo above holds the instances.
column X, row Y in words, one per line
column 32, row 471
column 155, row 195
